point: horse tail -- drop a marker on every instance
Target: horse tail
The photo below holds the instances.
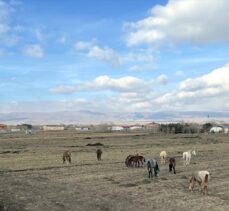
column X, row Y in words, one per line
column 206, row 179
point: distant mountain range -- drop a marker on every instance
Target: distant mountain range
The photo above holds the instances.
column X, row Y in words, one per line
column 90, row 117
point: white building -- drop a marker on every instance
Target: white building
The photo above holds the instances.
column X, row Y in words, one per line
column 53, row 127
column 136, row 128
column 117, row 128
column 216, row 129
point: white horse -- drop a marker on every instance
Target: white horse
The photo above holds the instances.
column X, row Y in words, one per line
column 187, row 156
column 200, row 177
column 163, row 156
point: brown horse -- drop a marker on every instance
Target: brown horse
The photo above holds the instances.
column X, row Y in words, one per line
column 67, row 156
column 172, row 165
column 127, row 160
column 99, row 154
column 135, row 160
column 141, row 159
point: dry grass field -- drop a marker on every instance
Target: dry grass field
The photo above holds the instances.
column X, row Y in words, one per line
column 32, row 176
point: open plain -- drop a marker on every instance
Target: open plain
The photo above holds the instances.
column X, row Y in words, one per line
column 33, row 177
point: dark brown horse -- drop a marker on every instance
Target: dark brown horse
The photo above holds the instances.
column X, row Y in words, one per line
column 99, row 153
column 127, row 160
column 172, row 165
column 67, row 156
column 141, row 159
column 135, row 160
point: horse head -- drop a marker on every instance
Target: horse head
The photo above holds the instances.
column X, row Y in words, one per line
column 194, row 152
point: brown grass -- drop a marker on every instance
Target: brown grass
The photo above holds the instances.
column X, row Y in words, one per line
column 32, row 176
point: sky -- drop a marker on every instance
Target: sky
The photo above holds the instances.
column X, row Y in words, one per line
column 114, row 56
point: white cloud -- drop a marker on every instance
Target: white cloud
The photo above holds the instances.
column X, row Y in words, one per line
column 103, row 83
column 179, row 73
column 35, row 51
column 4, row 14
column 139, row 60
column 136, row 68
column 206, row 92
column 104, row 54
column 193, row 21
column 8, row 37
column 82, row 45
column 162, row 79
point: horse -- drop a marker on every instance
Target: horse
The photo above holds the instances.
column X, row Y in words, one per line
column 200, row 177
column 99, row 154
column 141, row 159
column 127, row 160
column 187, row 156
column 172, row 165
column 67, row 156
column 163, row 156
column 134, row 160
column 152, row 165
column 138, row 160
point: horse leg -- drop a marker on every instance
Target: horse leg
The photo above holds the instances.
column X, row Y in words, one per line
column 69, row 159
column 170, row 167
column 155, row 172
column 63, row 159
column 174, row 170
column 205, row 189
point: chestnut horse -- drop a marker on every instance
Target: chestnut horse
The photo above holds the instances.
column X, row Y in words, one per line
column 99, row 154
column 67, row 156
column 135, row 160
column 127, row 160
column 172, row 165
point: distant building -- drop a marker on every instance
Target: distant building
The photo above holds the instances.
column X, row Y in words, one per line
column 226, row 129
column 25, row 127
column 117, row 128
column 82, row 128
column 14, row 130
column 53, row 127
column 216, row 129
column 154, row 127
column 3, row 127
column 136, row 127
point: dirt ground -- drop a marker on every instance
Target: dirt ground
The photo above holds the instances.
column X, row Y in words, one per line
column 33, row 177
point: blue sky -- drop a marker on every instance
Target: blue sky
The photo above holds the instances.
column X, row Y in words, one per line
column 105, row 55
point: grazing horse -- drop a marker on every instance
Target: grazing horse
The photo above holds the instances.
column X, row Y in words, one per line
column 135, row 160
column 163, row 156
column 172, row 165
column 67, row 156
column 187, row 156
column 99, row 154
column 200, row 177
column 152, row 165
column 127, row 160
column 141, row 159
